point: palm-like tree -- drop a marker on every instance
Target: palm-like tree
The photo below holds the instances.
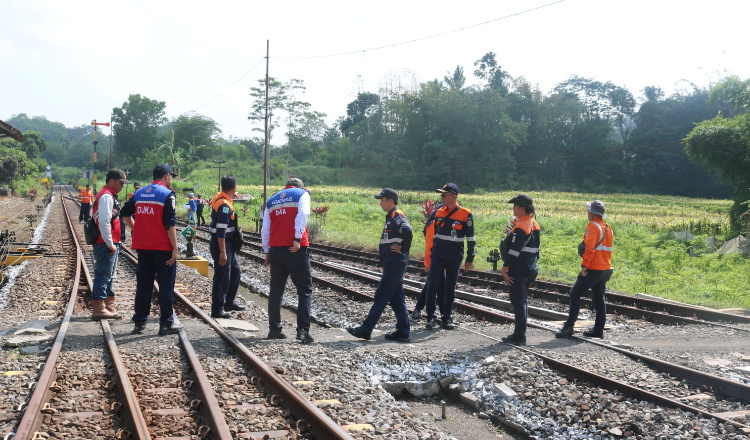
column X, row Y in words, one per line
column 457, row 81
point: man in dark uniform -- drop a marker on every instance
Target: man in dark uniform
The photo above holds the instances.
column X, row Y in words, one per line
column 453, row 225
column 395, row 243
column 155, row 239
column 285, row 243
column 200, row 204
column 87, row 198
column 226, row 265
column 519, row 264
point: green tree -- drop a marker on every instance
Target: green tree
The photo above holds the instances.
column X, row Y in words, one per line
column 197, row 134
column 14, row 164
column 723, row 144
column 136, row 125
column 457, row 80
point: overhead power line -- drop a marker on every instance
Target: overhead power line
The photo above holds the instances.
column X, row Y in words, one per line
column 453, row 31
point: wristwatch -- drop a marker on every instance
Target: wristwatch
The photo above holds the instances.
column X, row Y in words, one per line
column 298, row 240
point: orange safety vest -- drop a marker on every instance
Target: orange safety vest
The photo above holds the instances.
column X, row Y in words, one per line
column 598, row 252
column 86, row 196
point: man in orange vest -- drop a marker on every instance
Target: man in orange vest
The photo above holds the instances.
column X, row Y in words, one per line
column 87, row 198
column 596, row 270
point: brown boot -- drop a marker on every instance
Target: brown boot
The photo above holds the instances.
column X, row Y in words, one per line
column 109, row 304
column 100, row 310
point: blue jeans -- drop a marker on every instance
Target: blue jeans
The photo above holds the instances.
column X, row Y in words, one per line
column 390, row 290
column 152, row 265
column 442, row 266
column 226, row 278
column 191, row 216
column 105, row 264
column 596, row 280
column 518, row 299
column 283, row 265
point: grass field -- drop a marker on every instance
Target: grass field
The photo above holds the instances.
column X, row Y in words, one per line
column 647, row 257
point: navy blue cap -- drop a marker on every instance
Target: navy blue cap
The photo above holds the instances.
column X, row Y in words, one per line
column 163, row 169
column 449, row 188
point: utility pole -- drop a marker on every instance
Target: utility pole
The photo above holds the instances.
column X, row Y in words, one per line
column 220, row 161
column 265, row 155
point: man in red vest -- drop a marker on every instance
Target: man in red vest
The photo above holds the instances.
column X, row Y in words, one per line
column 284, row 239
column 107, row 246
column 155, row 239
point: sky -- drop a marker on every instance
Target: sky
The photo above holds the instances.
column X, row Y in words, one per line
column 74, row 61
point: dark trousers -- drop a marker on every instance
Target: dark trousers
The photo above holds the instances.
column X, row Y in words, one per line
column 283, row 265
column 200, row 220
column 152, row 265
column 519, row 301
column 390, row 290
column 422, row 299
column 226, row 277
column 596, row 280
column 85, row 212
column 447, row 266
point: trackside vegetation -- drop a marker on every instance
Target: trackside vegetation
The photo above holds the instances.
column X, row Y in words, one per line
column 647, row 256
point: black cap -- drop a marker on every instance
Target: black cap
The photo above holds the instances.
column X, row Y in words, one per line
column 387, row 193
column 163, row 169
column 449, row 188
column 522, row 200
column 137, row 184
column 116, row 173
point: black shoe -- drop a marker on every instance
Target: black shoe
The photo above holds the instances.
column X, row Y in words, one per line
column 304, row 337
column 171, row 328
column 565, row 332
column 593, row 334
column 448, row 324
column 416, row 315
column 431, row 324
column 397, row 336
column 221, row 314
column 234, row 307
column 139, row 328
column 275, row 334
column 514, row 339
column 358, row 332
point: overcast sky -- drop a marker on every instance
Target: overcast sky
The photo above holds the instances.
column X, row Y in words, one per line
column 73, row 61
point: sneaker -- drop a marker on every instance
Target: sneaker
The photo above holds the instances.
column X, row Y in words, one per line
column 514, row 339
column 397, row 336
column 304, row 337
column 275, row 334
column 431, row 324
column 170, row 328
column 221, row 314
column 593, row 334
column 234, row 307
column 448, row 324
column 357, row 332
column 565, row 332
column 416, row 315
column 139, row 328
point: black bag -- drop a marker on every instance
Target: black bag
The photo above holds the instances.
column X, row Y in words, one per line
column 90, row 231
column 237, row 239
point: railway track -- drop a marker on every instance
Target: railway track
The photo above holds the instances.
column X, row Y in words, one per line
column 552, row 378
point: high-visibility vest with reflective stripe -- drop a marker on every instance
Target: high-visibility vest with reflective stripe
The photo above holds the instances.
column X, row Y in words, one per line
column 597, row 241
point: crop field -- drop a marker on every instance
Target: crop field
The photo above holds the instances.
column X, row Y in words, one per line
column 647, row 256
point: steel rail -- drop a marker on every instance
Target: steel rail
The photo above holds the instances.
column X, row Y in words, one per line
column 622, row 301
column 208, row 405
column 133, row 418
column 614, row 385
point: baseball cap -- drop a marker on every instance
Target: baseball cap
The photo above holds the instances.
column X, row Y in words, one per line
column 449, row 188
column 387, row 193
column 162, row 169
column 116, row 173
column 596, row 207
column 522, row 200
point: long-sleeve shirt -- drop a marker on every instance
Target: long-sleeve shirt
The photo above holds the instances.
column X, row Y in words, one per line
column 286, row 236
column 103, row 216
